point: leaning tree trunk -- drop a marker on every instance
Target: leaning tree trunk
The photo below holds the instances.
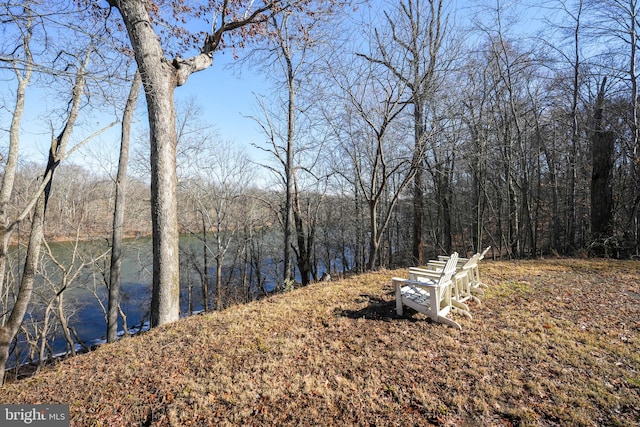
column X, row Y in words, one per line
column 64, row 323
column 9, row 330
column 57, row 152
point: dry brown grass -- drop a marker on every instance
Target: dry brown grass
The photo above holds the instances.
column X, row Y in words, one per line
column 554, row 343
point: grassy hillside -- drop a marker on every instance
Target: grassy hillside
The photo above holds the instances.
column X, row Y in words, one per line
column 553, row 343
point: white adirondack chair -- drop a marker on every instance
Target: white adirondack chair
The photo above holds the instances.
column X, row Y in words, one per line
column 460, row 289
column 428, row 295
column 463, row 280
column 476, row 271
column 476, row 284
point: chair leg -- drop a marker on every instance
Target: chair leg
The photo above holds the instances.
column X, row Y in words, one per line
column 461, row 311
column 398, row 300
column 459, row 305
column 449, row 322
column 479, row 282
column 399, row 308
column 477, row 291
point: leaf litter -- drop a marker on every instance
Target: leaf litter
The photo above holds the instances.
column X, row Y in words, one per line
column 554, row 342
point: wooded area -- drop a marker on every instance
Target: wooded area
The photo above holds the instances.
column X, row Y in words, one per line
column 395, row 131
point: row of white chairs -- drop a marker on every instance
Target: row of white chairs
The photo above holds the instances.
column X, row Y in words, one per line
column 444, row 285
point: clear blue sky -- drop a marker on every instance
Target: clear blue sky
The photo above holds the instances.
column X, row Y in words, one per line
column 228, row 96
column 225, row 96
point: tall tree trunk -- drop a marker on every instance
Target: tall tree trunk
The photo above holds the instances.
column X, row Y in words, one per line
column 476, row 220
column 359, row 220
column 205, row 262
column 514, row 217
column 303, row 252
column 443, row 191
column 219, row 290
column 23, row 75
column 159, row 79
column 602, row 147
column 289, row 167
column 571, row 218
column 633, row 229
column 418, row 183
column 165, row 298
column 479, row 177
column 418, row 217
column 118, row 214
column 555, row 228
column 219, row 259
column 305, row 238
column 374, row 245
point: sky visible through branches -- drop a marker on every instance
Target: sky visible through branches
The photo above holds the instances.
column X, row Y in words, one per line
column 227, row 93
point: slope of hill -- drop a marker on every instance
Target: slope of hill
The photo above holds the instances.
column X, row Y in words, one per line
column 554, row 342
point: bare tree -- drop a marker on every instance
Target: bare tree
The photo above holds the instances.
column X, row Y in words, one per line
column 23, row 69
column 292, row 60
column 573, row 151
column 615, row 23
column 602, row 149
column 70, row 67
column 119, row 212
column 215, row 186
column 160, row 77
column 57, row 153
column 370, row 135
column 476, row 152
column 413, row 56
column 569, row 70
column 57, row 280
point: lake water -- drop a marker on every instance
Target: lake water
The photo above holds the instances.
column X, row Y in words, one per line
column 87, row 295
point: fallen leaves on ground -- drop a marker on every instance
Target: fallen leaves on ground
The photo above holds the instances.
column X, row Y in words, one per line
column 554, row 342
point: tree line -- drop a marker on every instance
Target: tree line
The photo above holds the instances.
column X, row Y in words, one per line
column 395, row 131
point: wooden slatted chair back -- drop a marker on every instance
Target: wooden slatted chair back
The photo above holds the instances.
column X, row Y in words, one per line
column 484, row 253
column 449, row 269
column 471, row 262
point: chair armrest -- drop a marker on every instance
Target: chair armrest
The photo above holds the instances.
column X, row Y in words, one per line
column 416, row 273
column 421, row 270
column 400, row 282
column 433, row 264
